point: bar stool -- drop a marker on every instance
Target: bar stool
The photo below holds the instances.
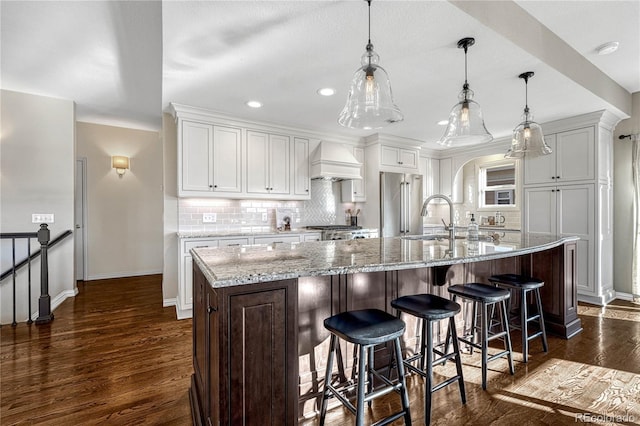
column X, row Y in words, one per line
column 486, row 295
column 365, row 328
column 525, row 285
column 429, row 309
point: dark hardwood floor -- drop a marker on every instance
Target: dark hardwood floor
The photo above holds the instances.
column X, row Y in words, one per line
column 113, row 355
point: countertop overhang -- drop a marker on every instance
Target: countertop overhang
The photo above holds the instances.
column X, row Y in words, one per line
column 232, row 266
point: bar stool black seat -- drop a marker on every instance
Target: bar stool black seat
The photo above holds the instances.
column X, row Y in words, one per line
column 485, row 296
column 430, row 308
column 365, row 328
column 525, row 285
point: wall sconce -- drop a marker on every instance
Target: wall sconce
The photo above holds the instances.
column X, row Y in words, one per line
column 120, row 163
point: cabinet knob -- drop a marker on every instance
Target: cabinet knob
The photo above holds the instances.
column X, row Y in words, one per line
column 553, row 177
column 211, row 309
column 210, row 186
column 215, row 186
column 307, row 190
column 399, row 162
column 557, row 177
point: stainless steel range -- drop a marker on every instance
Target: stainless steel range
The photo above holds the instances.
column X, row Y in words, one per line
column 344, row 232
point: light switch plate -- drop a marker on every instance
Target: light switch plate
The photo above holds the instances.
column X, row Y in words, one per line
column 42, row 218
column 209, row 217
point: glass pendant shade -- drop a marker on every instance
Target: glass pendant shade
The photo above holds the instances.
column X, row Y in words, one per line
column 528, row 139
column 370, row 102
column 466, row 125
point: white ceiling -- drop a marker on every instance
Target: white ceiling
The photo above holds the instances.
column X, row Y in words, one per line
column 124, row 62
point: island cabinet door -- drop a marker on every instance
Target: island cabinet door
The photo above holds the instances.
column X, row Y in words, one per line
column 258, row 354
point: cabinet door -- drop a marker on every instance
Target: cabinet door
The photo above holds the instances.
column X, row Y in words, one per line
column 185, row 284
column 279, row 164
column 449, row 185
column 575, row 158
column 259, row 367
column 232, row 242
column 542, row 169
column 257, row 160
column 311, row 237
column 540, row 214
column 227, row 159
column 359, row 185
column 408, row 158
column 301, row 176
column 277, row 239
column 389, row 155
column 196, row 154
column 576, row 218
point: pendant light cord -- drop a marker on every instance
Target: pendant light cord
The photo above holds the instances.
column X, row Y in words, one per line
column 369, row 2
column 466, row 84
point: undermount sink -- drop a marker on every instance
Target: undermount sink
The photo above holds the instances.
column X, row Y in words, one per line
column 430, row 237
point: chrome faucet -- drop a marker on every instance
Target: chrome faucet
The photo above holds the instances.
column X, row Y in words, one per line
column 451, row 228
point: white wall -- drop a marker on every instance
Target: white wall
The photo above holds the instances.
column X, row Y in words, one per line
column 623, row 200
column 170, row 239
column 37, row 162
column 124, row 214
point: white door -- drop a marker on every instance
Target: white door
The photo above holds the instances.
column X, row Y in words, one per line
column 80, row 210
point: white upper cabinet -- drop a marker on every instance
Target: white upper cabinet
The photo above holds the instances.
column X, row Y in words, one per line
column 268, row 163
column 219, row 156
column 572, row 159
column 209, row 159
column 301, row 172
column 398, row 157
column 354, row 190
column 450, row 184
column 227, row 159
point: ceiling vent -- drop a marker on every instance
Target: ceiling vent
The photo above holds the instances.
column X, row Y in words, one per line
column 334, row 161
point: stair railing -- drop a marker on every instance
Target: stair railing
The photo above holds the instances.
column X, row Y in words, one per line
column 44, row 302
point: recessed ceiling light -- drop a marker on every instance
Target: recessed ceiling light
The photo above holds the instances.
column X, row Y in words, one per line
column 326, row 91
column 607, row 48
column 443, row 122
column 254, row 104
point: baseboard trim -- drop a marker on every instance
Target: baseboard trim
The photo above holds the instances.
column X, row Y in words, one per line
column 624, row 296
column 122, row 275
column 168, row 302
column 57, row 300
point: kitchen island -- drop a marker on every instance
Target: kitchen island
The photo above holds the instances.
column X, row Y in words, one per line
column 259, row 345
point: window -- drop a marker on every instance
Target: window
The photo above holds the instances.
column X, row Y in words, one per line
column 497, row 185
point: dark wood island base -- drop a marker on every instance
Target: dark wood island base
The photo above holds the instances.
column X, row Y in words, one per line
column 259, row 350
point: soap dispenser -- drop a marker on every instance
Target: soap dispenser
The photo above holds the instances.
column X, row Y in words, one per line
column 472, row 229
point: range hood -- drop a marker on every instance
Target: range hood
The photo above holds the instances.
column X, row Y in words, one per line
column 334, row 161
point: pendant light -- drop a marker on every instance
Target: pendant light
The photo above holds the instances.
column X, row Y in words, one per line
column 466, row 126
column 370, row 102
column 528, row 139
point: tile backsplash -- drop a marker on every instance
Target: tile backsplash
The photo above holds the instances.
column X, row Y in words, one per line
column 324, row 208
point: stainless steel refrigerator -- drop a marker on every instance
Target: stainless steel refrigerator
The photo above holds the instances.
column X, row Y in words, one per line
column 400, row 204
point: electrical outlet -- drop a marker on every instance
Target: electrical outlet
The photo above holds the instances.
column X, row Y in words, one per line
column 42, row 218
column 209, row 217
column 264, row 217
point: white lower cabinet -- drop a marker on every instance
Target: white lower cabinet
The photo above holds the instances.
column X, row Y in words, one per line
column 277, row 239
column 184, row 300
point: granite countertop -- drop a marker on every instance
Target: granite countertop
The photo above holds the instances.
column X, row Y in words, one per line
column 230, row 266
column 209, row 234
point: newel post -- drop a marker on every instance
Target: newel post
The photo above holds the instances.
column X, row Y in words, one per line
column 44, row 303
